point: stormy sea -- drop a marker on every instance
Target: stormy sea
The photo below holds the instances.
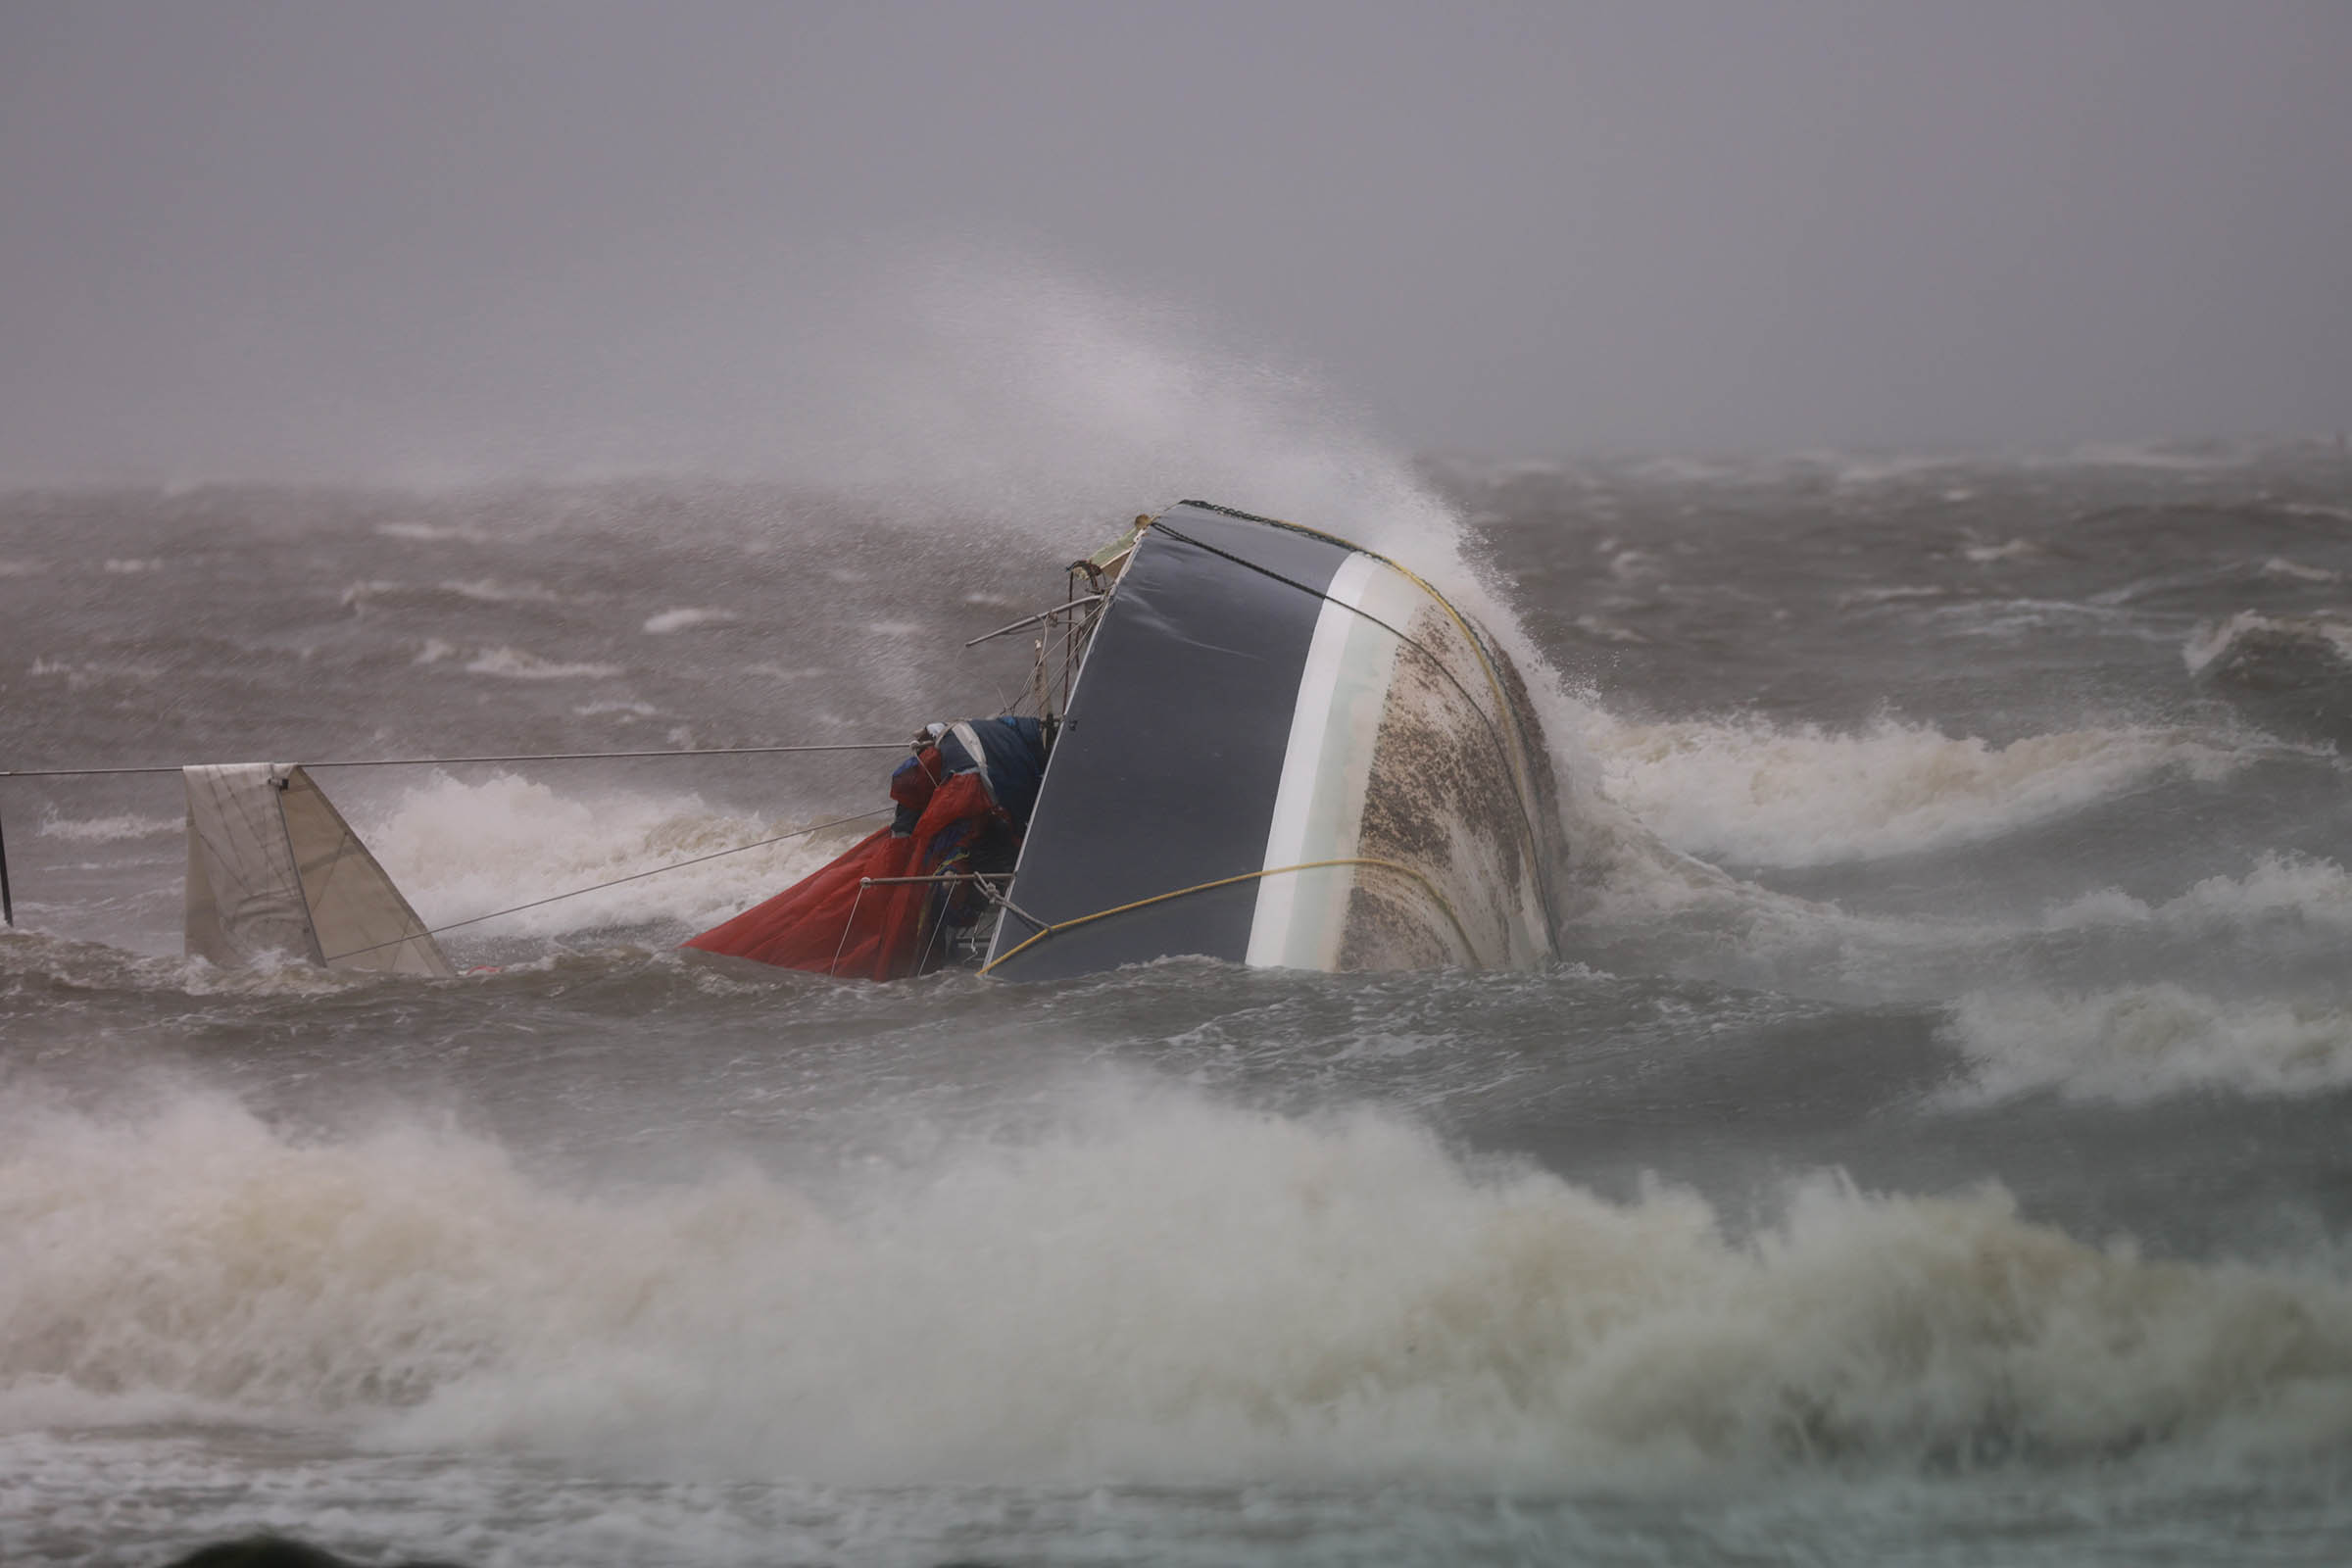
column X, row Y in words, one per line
column 1935, row 1145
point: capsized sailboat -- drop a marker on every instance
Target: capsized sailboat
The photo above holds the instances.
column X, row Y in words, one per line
column 1246, row 740
column 1267, row 746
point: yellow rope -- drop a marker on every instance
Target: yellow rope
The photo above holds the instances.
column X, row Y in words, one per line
column 1427, row 887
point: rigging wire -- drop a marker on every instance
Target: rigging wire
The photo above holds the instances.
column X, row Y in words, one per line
column 634, row 876
column 533, row 757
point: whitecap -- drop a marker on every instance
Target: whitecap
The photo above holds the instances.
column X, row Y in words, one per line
column 2251, row 632
column 517, row 664
column 2281, row 887
column 671, row 620
column 1607, row 631
column 2166, row 456
column 109, row 830
column 2296, row 571
column 359, row 594
column 1893, row 594
column 430, row 532
column 80, row 677
column 1763, row 795
column 490, row 591
column 461, row 848
column 1858, row 471
column 2133, row 1044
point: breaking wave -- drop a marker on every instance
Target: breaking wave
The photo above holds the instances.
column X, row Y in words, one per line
column 669, row 621
column 2279, row 888
column 1160, row 1289
column 1757, row 794
column 2168, row 456
column 435, row 533
column 479, row 591
column 109, row 830
column 2133, row 1044
column 517, row 664
column 2290, row 674
column 463, row 849
column 2253, row 645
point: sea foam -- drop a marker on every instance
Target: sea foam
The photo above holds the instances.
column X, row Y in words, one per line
column 461, row 848
column 671, row 620
column 1760, row 794
column 2324, row 640
column 2279, row 888
column 520, row 663
column 1159, row 1289
column 109, row 830
column 2133, row 1044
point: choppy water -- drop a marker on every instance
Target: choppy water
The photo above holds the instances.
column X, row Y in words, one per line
column 1935, row 1150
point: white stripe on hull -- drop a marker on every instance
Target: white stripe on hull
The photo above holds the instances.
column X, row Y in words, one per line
column 1301, row 916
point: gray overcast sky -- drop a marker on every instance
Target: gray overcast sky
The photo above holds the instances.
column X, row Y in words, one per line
column 327, row 239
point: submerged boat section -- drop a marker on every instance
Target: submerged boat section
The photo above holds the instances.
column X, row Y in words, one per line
column 275, row 869
column 1286, row 751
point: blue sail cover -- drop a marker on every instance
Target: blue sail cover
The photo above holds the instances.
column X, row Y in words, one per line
column 1012, row 758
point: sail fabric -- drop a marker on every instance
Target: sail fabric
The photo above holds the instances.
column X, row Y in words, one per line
column 244, row 891
column 274, row 867
column 831, row 923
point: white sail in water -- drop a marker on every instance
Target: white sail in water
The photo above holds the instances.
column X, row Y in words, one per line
column 273, row 866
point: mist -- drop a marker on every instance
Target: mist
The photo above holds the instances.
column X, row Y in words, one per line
column 952, row 246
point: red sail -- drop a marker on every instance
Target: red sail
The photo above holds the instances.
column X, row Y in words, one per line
column 831, row 923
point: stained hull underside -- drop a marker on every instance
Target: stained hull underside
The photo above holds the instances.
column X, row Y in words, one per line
column 1284, row 751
